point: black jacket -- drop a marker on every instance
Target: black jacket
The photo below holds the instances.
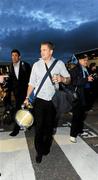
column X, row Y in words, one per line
column 78, row 81
column 19, row 86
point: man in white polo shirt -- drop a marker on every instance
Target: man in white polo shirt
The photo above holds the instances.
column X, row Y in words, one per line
column 44, row 111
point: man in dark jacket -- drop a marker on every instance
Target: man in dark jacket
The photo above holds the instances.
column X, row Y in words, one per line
column 18, row 82
column 80, row 80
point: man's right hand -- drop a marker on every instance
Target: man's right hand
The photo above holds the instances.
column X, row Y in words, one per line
column 90, row 78
column 26, row 102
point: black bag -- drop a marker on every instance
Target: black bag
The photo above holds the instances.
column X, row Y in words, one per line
column 72, row 92
column 62, row 102
column 64, row 98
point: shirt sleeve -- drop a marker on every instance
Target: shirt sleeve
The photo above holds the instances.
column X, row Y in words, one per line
column 63, row 70
column 32, row 80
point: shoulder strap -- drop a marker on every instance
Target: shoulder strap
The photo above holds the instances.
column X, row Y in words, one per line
column 49, row 74
column 45, row 77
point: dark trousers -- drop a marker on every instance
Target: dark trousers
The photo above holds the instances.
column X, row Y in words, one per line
column 78, row 118
column 44, row 115
column 88, row 98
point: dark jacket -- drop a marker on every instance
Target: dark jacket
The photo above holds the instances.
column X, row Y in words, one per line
column 78, row 81
column 19, row 86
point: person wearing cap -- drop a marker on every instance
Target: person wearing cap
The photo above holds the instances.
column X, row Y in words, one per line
column 81, row 80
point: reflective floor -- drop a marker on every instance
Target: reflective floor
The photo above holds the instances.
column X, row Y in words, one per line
column 66, row 161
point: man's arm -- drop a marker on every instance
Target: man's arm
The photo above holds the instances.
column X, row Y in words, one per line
column 1, row 78
column 29, row 91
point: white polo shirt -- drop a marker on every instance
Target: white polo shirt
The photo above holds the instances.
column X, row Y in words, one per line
column 38, row 71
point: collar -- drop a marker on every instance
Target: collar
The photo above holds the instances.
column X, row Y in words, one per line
column 50, row 61
column 16, row 64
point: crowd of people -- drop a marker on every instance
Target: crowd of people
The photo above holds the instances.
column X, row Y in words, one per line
column 23, row 80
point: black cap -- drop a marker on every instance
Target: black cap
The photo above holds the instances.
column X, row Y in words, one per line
column 82, row 56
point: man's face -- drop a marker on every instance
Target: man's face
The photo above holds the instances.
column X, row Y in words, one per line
column 46, row 52
column 15, row 57
column 84, row 61
column 94, row 68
